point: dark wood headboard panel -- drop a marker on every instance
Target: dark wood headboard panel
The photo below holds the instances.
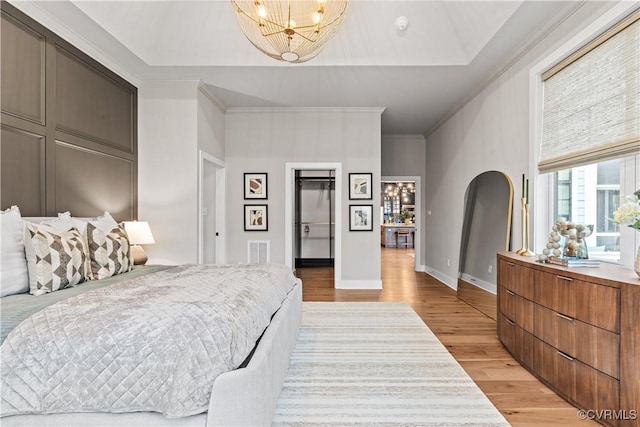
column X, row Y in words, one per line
column 68, row 129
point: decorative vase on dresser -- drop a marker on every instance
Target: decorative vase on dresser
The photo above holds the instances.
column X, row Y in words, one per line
column 577, row 330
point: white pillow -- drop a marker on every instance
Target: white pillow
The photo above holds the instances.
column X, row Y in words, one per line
column 14, row 278
column 104, row 223
column 57, row 225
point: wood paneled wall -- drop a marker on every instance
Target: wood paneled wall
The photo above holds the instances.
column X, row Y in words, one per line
column 68, row 137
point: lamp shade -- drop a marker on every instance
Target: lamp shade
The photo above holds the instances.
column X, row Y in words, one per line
column 139, row 232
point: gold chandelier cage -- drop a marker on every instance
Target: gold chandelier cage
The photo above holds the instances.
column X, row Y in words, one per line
column 290, row 30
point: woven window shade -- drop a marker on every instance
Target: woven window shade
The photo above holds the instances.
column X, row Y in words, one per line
column 591, row 106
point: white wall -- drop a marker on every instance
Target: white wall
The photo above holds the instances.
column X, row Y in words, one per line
column 210, row 124
column 174, row 121
column 263, row 140
column 490, row 132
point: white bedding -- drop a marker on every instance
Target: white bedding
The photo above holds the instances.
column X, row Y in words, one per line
column 157, row 342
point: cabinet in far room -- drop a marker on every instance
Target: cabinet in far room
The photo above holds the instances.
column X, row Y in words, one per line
column 389, row 235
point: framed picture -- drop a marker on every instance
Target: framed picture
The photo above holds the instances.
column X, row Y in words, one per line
column 360, row 217
column 256, row 218
column 255, row 186
column 360, row 186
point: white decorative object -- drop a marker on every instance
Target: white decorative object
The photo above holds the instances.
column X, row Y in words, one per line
column 629, row 214
column 402, row 23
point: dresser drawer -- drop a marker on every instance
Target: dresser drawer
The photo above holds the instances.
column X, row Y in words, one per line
column 587, row 387
column 556, row 329
column 556, row 368
column 597, row 391
column 556, row 292
column 598, row 305
column 518, row 341
column 598, row 348
column 591, row 345
column 516, row 308
column 594, row 304
column 516, row 278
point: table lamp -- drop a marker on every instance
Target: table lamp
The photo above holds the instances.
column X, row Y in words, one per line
column 139, row 234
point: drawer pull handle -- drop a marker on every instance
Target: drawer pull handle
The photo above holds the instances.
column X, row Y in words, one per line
column 511, row 322
column 510, row 264
column 566, row 356
column 511, row 292
column 566, row 279
column 562, row 316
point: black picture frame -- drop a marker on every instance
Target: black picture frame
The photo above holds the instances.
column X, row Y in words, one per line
column 256, row 186
column 360, row 186
column 256, row 218
column 360, row 217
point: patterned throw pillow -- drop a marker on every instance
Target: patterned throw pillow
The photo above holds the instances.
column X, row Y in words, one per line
column 109, row 252
column 55, row 260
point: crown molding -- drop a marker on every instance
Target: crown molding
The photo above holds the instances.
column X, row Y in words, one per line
column 202, row 88
column 255, row 110
column 38, row 13
column 170, row 83
column 404, row 137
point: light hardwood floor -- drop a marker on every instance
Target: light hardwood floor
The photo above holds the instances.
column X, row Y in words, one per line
column 469, row 335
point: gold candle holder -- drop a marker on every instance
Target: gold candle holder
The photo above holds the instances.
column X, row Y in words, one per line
column 523, row 224
column 527, row 251
column 524, row 211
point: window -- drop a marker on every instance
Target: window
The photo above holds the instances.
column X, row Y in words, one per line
column 590, row 136
column 563, row 194
column 589, row 195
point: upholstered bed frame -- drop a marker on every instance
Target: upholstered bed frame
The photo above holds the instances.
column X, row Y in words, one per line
column 245, row 396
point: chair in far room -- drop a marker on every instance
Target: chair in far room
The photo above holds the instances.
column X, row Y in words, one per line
column 403, row 238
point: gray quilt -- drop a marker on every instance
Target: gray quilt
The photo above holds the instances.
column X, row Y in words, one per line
column 152, row 343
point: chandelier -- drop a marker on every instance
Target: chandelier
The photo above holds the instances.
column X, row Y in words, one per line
column 289, row 30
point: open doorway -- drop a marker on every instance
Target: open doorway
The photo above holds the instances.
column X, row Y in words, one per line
column 314, row 243
column 313, row 199
column 400, row 213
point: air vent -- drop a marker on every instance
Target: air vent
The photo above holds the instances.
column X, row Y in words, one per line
column 258, row 251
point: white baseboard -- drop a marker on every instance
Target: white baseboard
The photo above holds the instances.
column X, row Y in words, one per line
column 449, row 281
column 421, row 268
column 359, row 284
column 489, row 287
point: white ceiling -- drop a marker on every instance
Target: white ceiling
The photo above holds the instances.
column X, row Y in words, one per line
column 448, row 51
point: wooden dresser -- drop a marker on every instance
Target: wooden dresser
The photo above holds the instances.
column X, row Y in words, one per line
column 577, row 330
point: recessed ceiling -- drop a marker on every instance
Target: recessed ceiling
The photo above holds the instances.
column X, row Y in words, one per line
column 205, row 33
column 419, row 75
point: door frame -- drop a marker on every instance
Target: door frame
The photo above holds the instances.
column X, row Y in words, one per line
column 221, row 174
column 417, row 246
column 289, row 209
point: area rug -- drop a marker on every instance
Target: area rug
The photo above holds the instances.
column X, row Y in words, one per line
column 366, row 364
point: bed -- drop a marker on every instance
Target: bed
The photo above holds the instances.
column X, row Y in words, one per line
column 245, row 392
